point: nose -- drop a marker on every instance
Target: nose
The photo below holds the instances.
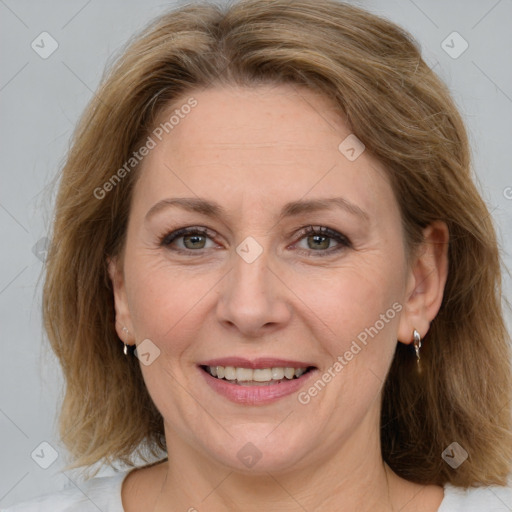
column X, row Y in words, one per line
column 253, row 299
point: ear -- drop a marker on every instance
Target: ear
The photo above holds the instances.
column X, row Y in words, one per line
column 124, row 327
column 426, row 280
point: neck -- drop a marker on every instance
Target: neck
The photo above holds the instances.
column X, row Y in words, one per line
column 354, row 475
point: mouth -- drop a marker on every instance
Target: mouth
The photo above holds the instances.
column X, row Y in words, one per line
column 257, row 382
column 241, row 376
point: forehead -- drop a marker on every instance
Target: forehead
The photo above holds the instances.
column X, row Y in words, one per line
column 256, row 146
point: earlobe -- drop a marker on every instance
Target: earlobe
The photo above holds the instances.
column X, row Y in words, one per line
column 426, row 282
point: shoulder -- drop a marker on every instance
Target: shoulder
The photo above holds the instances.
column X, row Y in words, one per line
column 477, row 499
column 100, row 493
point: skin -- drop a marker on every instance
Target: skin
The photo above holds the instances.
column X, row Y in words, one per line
column 280, row 145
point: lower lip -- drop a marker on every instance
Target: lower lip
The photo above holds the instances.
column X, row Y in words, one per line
column 255, row 395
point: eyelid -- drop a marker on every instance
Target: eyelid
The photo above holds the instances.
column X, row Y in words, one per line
column 343, row 241
column 188, row 230
column 325, row 231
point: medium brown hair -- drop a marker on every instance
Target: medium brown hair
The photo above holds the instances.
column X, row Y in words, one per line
column 375, row 77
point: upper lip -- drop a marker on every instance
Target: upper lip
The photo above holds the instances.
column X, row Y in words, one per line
column 260, row 362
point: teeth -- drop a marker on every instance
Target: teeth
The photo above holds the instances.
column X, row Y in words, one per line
column 243, row 374
column 289, row 373
column 229, row 373
column 232, row 373
column 262, row 374
column 278, row 373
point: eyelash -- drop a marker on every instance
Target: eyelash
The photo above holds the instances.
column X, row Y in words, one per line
column 343, row 241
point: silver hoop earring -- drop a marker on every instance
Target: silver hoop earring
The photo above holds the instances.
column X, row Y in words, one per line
column 417, row 346
column 417, row 343
column 126, row 332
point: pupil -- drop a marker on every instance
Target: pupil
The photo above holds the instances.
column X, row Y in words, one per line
column 195, row 239
column 320, row 238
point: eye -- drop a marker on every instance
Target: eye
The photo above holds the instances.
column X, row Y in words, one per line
column 319, row 239
column 194, row 239
column 191, row 238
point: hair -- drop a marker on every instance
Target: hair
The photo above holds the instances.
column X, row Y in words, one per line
column 374, row 75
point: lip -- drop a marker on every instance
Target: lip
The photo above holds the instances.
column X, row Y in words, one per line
column 261, row 362
column 255, row 395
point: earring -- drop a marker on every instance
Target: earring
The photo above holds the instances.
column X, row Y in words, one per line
column 417, row 343
column 417, row 346
column 125, row 349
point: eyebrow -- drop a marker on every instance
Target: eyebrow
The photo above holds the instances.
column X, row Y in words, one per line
column 291, row 209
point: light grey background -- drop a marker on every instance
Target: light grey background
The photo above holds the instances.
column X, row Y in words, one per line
column 41, row 100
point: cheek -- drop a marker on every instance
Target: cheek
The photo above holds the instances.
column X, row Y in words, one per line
column 362, row 314
column 164, row 299
column 358, row 309
column 350, row 299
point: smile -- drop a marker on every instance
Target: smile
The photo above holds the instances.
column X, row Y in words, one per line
column 255, row 386
column 255, row 377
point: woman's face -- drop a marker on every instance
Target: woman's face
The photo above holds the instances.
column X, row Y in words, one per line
column 249, row 287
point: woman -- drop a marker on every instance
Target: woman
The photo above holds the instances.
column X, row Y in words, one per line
column 271, row 207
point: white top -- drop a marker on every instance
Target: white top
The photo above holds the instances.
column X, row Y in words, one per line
column 104, row 494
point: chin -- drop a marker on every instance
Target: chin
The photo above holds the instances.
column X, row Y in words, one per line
column 254, row 451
